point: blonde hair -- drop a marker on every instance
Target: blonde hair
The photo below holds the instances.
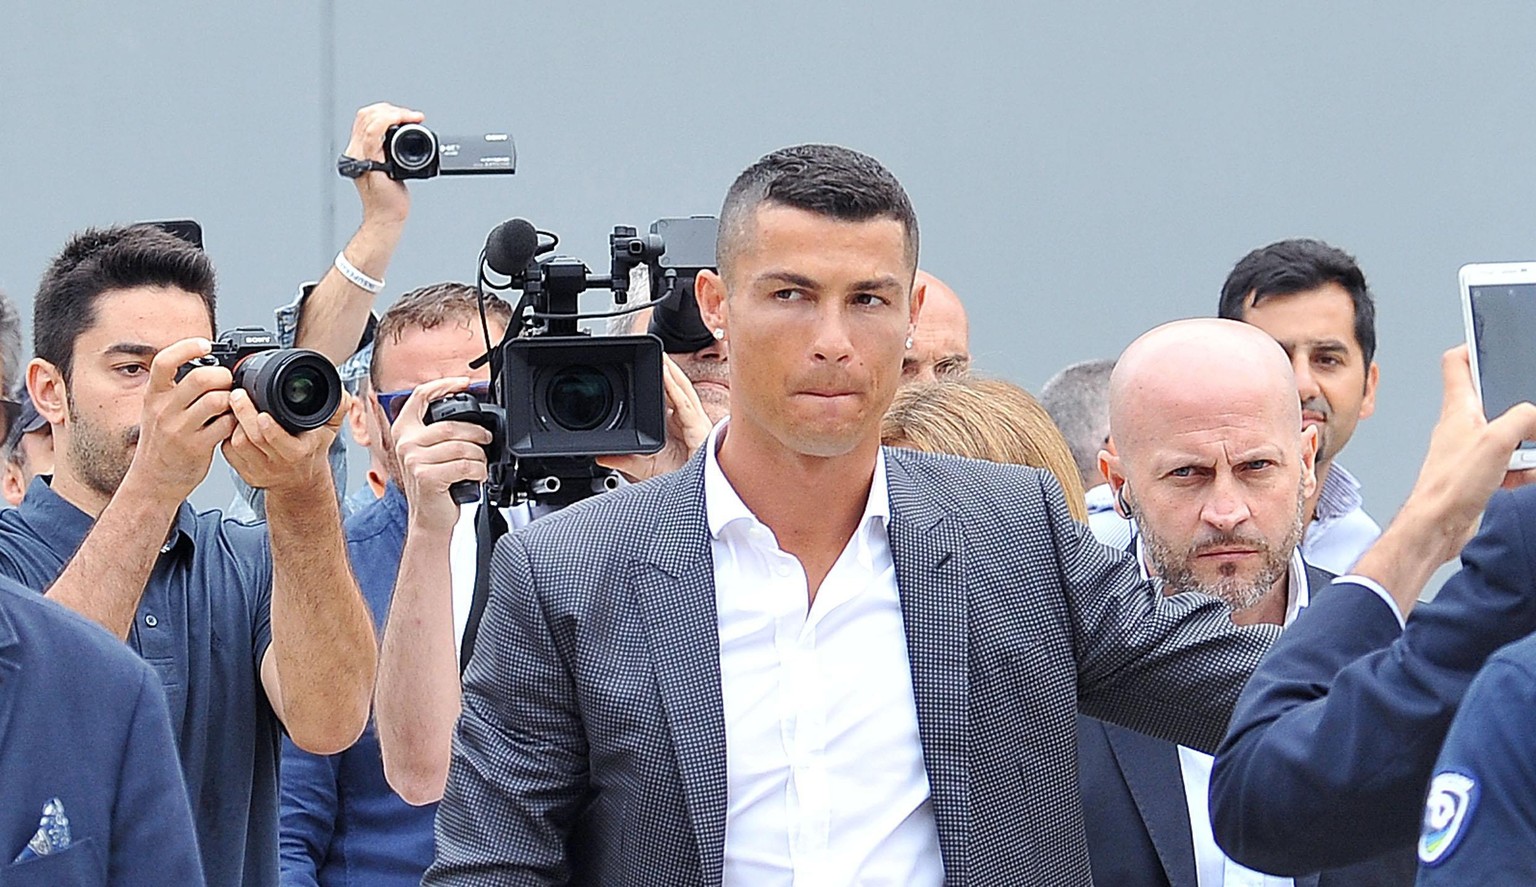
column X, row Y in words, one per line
column 987, row 419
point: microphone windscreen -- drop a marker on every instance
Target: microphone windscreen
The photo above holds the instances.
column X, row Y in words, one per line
column 511, row 246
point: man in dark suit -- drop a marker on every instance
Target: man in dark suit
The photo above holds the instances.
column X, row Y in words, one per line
column 1217, row 495
column 93, row 792
column 1382, row 700
column 800, row 656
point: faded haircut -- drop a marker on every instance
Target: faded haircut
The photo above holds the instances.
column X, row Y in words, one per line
column 828, row 180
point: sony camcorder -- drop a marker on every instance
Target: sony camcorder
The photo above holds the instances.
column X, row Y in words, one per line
column 298, row 387
column 411, row 151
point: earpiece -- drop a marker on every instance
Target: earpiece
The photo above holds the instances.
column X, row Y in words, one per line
column 1123, row 505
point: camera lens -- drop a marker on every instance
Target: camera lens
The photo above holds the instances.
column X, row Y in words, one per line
column 300, row 388
column 413, row 147
column 579, row 398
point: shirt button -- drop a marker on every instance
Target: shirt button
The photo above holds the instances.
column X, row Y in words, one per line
column 150, row 620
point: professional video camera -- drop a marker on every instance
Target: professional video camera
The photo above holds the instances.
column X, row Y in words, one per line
column 411, row 151
column 300, row 388
column 559, row 396
column 690, row 248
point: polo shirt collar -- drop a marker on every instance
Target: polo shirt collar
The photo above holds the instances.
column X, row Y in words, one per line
column 63, row 527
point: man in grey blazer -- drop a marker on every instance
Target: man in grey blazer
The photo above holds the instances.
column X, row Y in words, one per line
column 801, row 658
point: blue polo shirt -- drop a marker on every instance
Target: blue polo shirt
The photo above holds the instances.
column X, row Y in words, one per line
column 342, row 825
column 203, row 623
column 1480, row 814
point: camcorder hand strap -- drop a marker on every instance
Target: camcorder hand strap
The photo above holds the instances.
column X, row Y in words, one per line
column 489, row 526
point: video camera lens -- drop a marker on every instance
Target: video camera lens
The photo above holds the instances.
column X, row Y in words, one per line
column 298, row 387
column 410, row 151
column 579, row 398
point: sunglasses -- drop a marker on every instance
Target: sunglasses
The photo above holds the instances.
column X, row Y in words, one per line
column 394, row 402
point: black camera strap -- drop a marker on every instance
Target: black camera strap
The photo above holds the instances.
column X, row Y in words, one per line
column 489, row 526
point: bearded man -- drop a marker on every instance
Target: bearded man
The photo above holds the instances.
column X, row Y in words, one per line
column 1208, row 455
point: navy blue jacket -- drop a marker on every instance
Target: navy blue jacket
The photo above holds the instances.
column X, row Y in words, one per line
column 83, row 720
column 1479, row 822
column 1138, row 819
column 342, row 825
column 1379, row 701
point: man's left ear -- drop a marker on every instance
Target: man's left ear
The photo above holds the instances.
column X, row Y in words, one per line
column 48, row 390
column 1368, row 403
column 709, row 292
column 1309, row 461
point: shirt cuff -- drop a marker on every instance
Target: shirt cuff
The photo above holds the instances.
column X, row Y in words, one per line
column 1375, row 586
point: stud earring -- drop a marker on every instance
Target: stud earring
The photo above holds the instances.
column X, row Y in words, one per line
column 909, row 343
column 719, row 334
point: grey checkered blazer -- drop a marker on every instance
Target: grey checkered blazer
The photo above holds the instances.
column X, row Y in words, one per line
column 591, row 748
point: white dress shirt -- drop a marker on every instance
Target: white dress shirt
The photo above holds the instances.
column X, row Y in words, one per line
column 824, row 767
column 463, row 548
column 1212, row 867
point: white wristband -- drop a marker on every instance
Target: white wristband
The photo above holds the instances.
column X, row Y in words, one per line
column 358, row 278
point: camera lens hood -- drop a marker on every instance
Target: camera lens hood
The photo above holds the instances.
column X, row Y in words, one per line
column 298, row 387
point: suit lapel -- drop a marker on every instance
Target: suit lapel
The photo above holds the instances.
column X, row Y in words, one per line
column 675, row 587
column 926, row 547
column 1156, row 782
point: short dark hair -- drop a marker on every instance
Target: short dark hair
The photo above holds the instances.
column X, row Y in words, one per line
column 824, row 179
column 1295, row 266
column 429, row 306
column 99, row 260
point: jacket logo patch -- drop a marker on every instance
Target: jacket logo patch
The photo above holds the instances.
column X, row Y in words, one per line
column 1452, row 797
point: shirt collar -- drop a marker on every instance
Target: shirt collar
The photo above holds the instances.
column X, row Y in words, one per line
column 1339, row 496
column 1298, row 592
column 723, row 507
column 63, row 527
column 1099, row 499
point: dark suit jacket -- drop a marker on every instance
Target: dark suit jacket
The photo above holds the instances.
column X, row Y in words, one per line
column 1381, row 702
column 1138, row 820
column 591, row 745
column 84, row 720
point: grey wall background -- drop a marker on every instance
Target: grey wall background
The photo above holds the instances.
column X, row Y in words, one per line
column 1082, row 171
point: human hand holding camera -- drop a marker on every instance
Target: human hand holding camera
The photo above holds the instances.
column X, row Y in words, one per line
column 181, row 422
column 275, row 396
column 433, row 457
column 272, row 458
column 386, row 201
column 687, row 428
column 1467, row 460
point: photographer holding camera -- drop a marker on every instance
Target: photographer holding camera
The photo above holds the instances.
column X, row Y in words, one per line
column 251, row 629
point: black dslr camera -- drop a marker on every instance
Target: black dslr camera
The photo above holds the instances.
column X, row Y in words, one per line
column 300, row 388
column 411, row 151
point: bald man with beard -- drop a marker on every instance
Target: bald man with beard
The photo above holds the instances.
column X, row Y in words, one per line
column 1208, row 454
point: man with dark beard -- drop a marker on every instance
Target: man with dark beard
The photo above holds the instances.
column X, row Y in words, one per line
column 1209, row 456
column 253, row 631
